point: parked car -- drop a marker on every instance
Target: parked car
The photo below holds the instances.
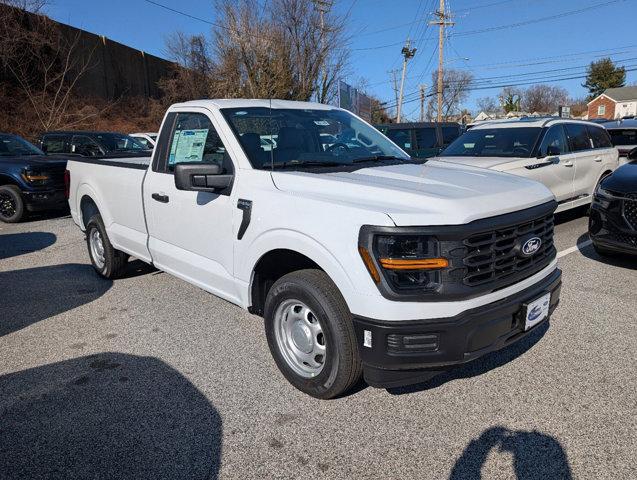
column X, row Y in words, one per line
column 358, row 258
column 568, row 156
column 91, row 144
column 29, row 180
column 623, row 134
column 422, row 139
column 147, row 139
column 612, row 222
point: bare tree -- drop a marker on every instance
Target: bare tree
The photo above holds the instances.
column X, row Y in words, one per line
column 455, row 90
column 193, row 71
column 487, row 104
column 44, row 63
column 275, row 49
column 544, row 98
column 510, row 99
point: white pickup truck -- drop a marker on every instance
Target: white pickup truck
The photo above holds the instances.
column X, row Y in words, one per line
column 360, row 259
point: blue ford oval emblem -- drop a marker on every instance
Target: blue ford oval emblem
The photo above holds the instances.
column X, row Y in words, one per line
column 531, row 246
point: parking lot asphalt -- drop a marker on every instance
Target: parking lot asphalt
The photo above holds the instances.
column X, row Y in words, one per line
column 148, row 377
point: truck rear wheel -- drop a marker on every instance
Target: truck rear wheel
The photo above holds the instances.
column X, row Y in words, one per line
column 310, row 334
column 11, row 204
column 106, row 260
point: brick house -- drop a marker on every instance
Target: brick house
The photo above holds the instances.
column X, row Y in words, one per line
column 614, row 103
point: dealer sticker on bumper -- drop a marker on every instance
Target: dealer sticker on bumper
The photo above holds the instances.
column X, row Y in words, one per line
column 536, row 311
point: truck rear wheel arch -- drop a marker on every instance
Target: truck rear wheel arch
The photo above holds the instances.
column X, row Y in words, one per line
column 88, row 208
column 272, row 266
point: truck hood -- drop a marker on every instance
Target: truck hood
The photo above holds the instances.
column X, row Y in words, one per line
column 33, row 160
column 434, row 193
column 482, row 162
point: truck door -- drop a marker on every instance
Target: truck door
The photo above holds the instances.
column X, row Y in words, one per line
column 190, row 233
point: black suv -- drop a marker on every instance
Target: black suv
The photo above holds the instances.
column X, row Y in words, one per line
column 92, row 144
column 29, row 180
column 421, row 139
column 612, row 223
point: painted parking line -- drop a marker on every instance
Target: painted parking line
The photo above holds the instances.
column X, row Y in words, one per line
column 575, row 248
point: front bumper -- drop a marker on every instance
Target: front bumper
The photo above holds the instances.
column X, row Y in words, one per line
column 406, row 352
column 37, row 200
column 608, row 228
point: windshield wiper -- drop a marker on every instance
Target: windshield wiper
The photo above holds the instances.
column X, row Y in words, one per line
column 377, row 158
column 304, row 163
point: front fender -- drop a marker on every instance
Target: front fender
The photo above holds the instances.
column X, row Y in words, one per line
column 298, row 242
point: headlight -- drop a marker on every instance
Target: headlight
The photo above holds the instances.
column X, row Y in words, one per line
column 408, row 263
column 36, row 178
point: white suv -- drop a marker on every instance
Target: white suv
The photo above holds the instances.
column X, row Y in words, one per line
column 568, row 156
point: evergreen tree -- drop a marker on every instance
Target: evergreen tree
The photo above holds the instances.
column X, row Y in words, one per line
column 603, row 74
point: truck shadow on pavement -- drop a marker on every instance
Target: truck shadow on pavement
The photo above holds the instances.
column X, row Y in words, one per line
column 34, row 294
column 14, row 244
column 618, row 260
column 479, row 366
column 536, row 456
column 109, row 415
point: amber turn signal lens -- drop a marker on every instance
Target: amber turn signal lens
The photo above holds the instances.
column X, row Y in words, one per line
column 369, row 263
column 414, row 264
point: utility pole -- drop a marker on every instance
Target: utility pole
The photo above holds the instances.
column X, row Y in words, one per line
column 394, row 81
column 407, row 53
column 422, row 102
column 323, row 7
column 442, row 22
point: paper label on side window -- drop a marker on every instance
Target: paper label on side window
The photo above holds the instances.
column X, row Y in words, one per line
column 188, row 145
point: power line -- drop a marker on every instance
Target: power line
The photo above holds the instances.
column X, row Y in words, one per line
column 632, row 68
column 535, row 20
column 510, row 25
column 553, row 59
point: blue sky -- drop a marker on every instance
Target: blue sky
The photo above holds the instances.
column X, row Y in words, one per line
column 559, row 47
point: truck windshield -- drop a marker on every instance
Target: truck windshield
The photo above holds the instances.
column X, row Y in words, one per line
column 11, row 145
column 278, row 137
column 495, row 142
column 117, row 142
column 623, row 137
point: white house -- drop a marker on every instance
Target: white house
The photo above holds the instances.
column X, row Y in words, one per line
column 614, row 103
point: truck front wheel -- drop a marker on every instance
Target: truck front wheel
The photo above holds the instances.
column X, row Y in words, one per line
column 310, row 334
column 106, row 260
column 11, row 204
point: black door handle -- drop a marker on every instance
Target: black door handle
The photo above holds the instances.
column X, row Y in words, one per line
column 160, row 198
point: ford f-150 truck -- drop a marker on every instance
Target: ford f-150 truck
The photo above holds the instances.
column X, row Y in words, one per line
column 360, row 259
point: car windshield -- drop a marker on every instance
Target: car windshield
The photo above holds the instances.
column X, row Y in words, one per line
column 280, row 137
column 494, row 142
column 117, row 142
column 13, row 145
column 623, row 137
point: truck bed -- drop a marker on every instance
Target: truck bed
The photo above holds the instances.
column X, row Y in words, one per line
column 120, row 181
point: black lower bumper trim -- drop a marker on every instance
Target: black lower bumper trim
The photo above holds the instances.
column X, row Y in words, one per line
column 44, row 200
column 405, row 352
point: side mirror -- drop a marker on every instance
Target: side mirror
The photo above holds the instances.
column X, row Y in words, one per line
column 201, row 177
column 632, row 155
column 44, row 147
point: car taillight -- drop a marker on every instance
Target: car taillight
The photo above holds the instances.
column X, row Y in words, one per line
column 67, row 184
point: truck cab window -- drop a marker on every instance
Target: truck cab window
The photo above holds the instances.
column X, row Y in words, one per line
column 194, row 139
column 54, row 143
column 83, row 145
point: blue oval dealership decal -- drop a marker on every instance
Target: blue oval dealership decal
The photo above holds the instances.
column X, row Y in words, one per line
column 531, row 246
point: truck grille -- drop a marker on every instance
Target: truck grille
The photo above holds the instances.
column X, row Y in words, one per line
column 630, row 210
column 495, row 255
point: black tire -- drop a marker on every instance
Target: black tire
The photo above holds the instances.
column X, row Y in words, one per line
column 114, row 261
column 11, row 204
column 342, row 365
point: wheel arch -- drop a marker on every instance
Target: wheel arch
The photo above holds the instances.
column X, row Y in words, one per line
column 284, row 254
